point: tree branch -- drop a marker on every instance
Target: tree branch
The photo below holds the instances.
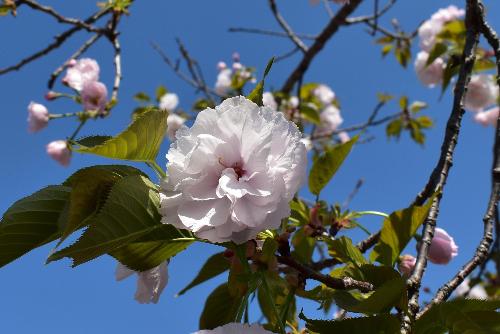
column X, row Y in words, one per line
column 439, row 175
column 286, row 27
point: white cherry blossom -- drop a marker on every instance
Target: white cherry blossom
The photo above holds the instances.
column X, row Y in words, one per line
column 324, row 93
column 330, row 120
column 150, row 283
column 224, row 80
column 235, row 328
column 81, row 72
column 174, row 123
column 169, row 101
column 432, row 74
column 233, row 173
column 482, row 92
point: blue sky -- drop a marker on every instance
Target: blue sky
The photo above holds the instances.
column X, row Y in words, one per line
column 56, row 298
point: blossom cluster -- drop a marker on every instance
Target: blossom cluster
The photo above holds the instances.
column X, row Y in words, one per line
column 234, row 78
column 482, row 91
column 83, row 77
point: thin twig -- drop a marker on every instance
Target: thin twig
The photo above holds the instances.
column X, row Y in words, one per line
column 353, row 193
column 286, row 27
column 319, row 43
column 84, row 47
column 270, row 33
column 59, row 40
column 346, row 283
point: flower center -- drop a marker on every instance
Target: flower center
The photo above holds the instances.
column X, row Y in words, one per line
column 237, row 167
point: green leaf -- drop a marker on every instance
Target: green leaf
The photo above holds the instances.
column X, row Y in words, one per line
column 397, row 231
column 303, row 246
column 394, row 128
column 325, row 166
column 379, row 324
column 403, row 102
column 386, row 49
column 215, row 265
column 142, row 97
column 343, row 250
column 139, row 142
column 153, row 249
column 92, row 141
column 461, row 316
column 129, row 213
column 89, row 188
column 309, row 113
column 32, row 222
column 451, row 69
column 256, row 94
column 220, row 308
column 424, row 122
column 160, row 92
column 384, row 98
column 437, row 50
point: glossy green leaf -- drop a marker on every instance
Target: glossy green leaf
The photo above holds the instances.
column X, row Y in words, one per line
column 437, row 51
column 326, row 165
column 160, row 91
column 142, row 97
column 379, row 324
column 282, row 299
column 129, row 213
column 256, row 94
column 220, row 308
column 32, row 222
column 139, row 142
column 397, row 231
column 343, row 250
column 310, row 113
column 215, row 265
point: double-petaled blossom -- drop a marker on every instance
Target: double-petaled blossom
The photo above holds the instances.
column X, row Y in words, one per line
column 442, row 248
column 330, row 120
column 429, row 30
column 94, row 96
column 232, row 174
column 38, row 117
column 169, row 101
column 174, row 123
column 406, row 264
column 59, row 151
column 324, row 94
column 477, row 291
column 487, row 117
column 236, row 328
column 80, row 72
column 432, row 74
column 482, row 92
column 150, row 283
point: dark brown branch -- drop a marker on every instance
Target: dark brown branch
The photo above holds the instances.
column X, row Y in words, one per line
column 489, row 219
column 60, row 18
column 286, row 27
column 318, row 45
column 440, row 173
column 363, row 246
column 59, row 40
column 270, row 33
column 346, row 283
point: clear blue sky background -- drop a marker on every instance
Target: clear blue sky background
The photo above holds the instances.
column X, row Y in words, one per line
column 58, row 299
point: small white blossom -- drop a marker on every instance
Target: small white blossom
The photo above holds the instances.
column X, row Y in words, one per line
column 482, row 92
column 464, row 290
column 330, row 120
column 150, row 283
column 487, row 117
column 224, row 80
column 325, row 94
column 83, row 71
column 235, row 328
column 169, row 101
column 269, row 101
column 429, row 30
column 432, row 74
column 232, row 174
column 174, row 123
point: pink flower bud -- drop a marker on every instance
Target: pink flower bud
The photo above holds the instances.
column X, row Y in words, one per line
column 221, row 65
column 94, row 96
column 59, row 151
column 406, row 264
column 51, row 95
column 71, row 63
column 344, row 137
column 442, row 248
column 38, row 117
column 236, row 57
column 83, row 71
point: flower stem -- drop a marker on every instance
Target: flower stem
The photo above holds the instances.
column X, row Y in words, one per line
column 157, row 169
column 375, row 213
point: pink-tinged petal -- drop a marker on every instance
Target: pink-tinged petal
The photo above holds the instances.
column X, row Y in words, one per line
column 38, row 117
column 59, row 151
column 196, row 214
